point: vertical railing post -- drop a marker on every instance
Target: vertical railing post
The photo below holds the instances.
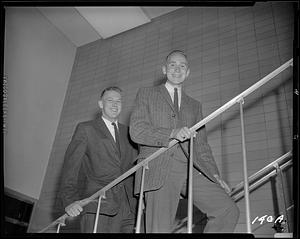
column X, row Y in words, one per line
column 102, row 195
column 190, row 189
column 246, row 183
column 282, row 193
column 58, row 227
column 60, row 223
column 140, row 209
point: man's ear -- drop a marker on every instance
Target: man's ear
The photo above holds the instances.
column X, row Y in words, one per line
column 100, row 103
column 164, row 69
column 188, row 72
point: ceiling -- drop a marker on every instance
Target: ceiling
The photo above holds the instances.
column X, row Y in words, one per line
column 82, row 25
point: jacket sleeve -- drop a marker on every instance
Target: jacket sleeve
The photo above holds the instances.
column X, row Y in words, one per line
column 203, row 148
column 72, row 163
column 142, row 131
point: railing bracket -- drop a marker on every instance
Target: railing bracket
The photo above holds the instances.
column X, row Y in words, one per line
column 102, row 194
column 241, row 100
column 146, row 166
column 61, row 223
column 276, row 166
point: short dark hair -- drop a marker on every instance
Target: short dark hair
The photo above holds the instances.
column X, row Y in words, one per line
column 114, row 88
column 176, row 51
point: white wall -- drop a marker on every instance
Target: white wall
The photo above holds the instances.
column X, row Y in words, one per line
column 38, row 60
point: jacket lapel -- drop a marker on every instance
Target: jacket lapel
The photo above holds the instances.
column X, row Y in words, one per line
column 102, row 127
column 164, row 92
column 185, row 109
column 123, row 135
column 184, row 102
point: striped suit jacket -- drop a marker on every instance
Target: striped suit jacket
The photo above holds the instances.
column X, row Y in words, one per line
column 151, row 124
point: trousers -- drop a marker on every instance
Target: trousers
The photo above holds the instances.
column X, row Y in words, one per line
column 122, row 222
column 209, row 197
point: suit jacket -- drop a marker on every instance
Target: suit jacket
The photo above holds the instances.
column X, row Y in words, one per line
column 151, row 124
column 93, row 151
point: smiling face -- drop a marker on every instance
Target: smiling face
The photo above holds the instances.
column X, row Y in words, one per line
column 111, row 105
column 176, row 69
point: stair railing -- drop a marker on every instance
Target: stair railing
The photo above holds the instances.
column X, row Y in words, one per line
column 256, row 180
column 238, row 99
column 268, row 171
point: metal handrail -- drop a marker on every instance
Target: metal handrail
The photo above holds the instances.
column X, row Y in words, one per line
column 255, row 181
column 265, row 170
column 238, row 195
column 198, row 125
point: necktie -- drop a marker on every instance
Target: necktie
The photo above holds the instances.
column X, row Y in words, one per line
column 117, row 137
column 176, row 100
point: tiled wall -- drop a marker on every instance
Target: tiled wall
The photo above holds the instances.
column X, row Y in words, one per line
column 229, row 49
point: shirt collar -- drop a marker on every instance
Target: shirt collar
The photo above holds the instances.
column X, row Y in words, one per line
column 108, row 122
column 170, row 88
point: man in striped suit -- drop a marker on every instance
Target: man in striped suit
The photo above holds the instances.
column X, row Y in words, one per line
column 163, row 113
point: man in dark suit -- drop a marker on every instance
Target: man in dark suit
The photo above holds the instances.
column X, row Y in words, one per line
column 163, row 113
column 102, row 150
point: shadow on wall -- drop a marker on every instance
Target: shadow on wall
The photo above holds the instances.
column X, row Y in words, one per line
column 236, row 115
column 279, row 198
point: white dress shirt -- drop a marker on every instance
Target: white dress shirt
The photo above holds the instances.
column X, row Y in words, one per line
column 110, row 127
column 170, row 89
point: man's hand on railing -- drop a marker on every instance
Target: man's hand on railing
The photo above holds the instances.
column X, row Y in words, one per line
column 223, row 184
column 74, row 209
column 182, row 134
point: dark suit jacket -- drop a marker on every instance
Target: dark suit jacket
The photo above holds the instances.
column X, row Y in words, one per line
column 93, row 151
column 151, row 124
